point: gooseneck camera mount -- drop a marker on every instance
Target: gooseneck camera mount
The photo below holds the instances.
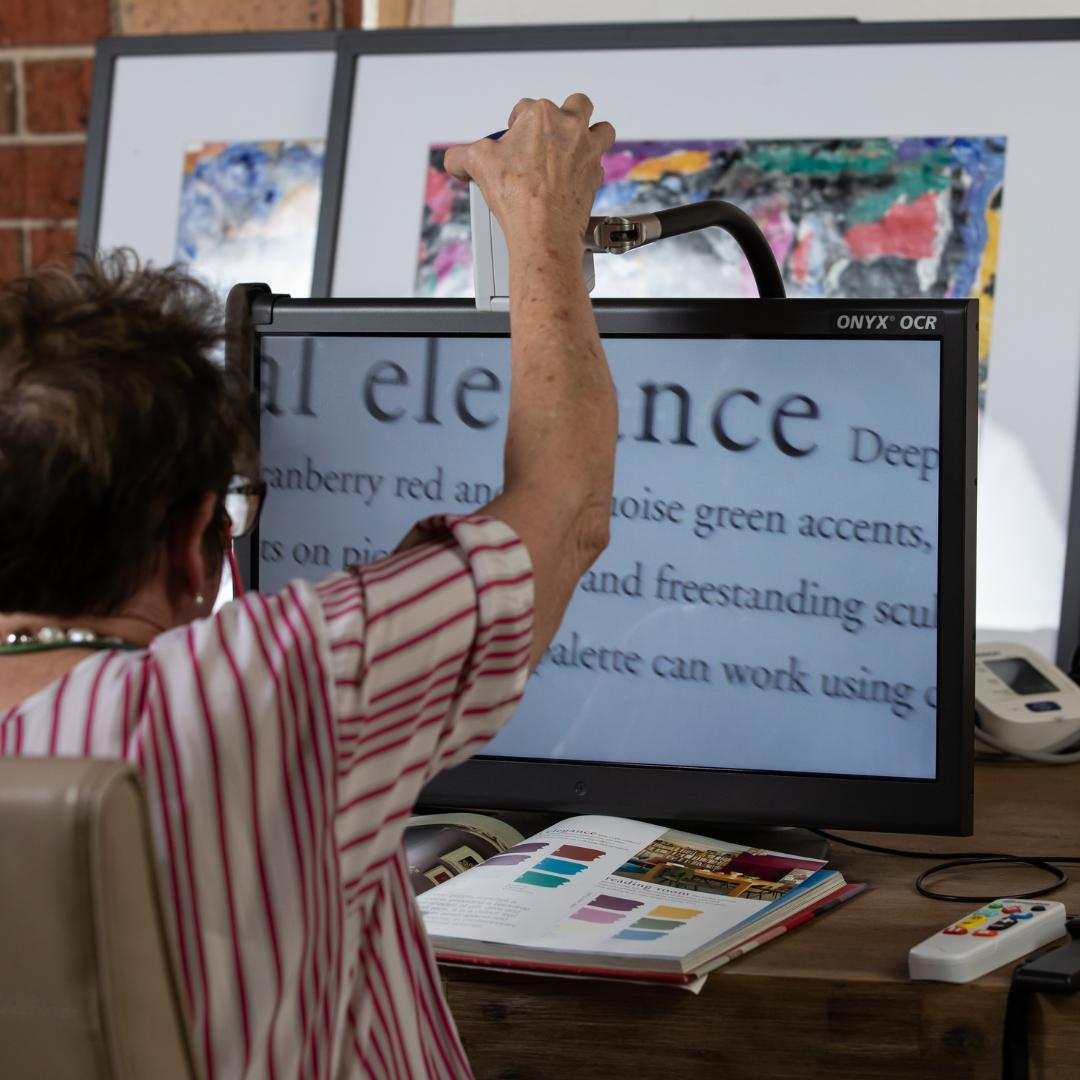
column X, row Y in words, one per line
column 617, row 235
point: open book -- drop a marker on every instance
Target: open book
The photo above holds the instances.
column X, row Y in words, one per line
column 614, row 898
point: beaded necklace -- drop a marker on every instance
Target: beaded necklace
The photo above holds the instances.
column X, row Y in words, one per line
column 52, row 637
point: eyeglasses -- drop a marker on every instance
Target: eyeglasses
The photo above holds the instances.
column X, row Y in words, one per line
column 243, row 503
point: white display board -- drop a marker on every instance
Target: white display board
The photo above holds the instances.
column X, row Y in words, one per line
column 404, row 104
column 163, row 105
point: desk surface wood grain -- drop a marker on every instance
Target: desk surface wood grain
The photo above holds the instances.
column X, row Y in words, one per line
column 832, row 999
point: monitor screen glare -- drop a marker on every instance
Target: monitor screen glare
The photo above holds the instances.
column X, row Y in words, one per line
column 768, row 598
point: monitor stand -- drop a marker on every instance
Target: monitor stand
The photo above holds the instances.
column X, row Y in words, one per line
column 784, row 838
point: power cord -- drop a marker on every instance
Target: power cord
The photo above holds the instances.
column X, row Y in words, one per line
column 961, row 859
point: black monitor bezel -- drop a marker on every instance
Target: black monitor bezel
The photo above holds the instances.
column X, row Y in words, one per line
column 943, row 805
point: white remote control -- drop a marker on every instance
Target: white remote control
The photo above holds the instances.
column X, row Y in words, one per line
column 996, row 934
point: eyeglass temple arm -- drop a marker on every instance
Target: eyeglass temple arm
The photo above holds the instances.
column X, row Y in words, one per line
column 234, row 570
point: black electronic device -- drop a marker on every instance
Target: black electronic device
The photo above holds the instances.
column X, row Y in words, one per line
column 782, row 630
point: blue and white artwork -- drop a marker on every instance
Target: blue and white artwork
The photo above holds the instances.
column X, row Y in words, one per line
column 249, row 211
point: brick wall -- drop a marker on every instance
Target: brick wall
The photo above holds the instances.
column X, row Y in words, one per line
column 46, row 56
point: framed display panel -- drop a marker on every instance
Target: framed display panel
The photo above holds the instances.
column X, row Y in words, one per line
column 209, row 150
column 375, row 413
column 983, row 94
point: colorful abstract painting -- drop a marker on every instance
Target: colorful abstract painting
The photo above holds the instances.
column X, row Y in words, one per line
column 847, row 218
column 249, row 211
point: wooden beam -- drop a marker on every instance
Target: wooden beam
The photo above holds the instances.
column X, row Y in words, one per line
column 388, row 14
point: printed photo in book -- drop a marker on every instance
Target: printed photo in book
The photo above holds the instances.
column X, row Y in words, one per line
column 441, row 846
column 683, row 862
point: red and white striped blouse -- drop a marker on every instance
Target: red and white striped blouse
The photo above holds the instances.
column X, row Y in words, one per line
column 283, row 743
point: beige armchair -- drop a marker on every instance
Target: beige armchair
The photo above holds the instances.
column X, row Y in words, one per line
column 87, row 987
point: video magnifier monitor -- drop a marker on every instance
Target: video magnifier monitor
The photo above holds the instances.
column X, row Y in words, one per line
column 776, row 629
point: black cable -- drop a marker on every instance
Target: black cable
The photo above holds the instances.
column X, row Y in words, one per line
column 1059, row 878
column 744, row 229
column 1014, row 1038
column 955, row 859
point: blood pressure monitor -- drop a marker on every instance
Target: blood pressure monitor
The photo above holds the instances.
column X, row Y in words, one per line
column 1024, row 700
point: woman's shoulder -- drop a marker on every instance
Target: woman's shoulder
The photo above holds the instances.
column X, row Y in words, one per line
column 256, row 623
column 260, row 655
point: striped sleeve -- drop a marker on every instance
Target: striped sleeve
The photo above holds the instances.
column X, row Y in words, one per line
column 282, row 743
column 429, row 653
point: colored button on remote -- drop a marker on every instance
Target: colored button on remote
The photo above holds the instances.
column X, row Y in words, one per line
column 1011, row 909
column 954, row 930
column 986, row 933
column 1002, row 924
column 995, row 906
column 1038, row 907
column 1023, row 915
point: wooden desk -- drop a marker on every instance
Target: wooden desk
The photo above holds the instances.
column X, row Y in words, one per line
column 831, row 1000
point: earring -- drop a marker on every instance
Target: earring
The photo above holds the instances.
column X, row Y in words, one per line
column 199, row 599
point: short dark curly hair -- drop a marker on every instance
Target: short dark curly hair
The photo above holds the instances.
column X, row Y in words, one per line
column 116, row 420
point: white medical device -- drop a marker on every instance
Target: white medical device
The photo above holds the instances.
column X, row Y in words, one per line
column 1024, row 702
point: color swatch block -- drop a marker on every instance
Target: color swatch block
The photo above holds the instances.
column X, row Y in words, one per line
column 664, row 911
column 582, row 854
column 656, row 924
column 560, row 866
column 548, row 881
column 595, row 915
column 505, row 860
column 578, row 927
column 640, row 935
column 615, row 903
